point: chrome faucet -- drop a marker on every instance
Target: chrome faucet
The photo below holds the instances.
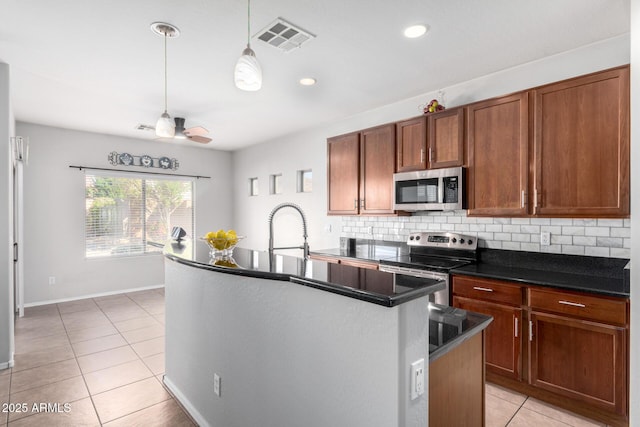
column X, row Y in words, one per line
column 305, row 245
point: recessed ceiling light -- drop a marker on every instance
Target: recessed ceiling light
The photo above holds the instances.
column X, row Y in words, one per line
column 307, row 81
column 415, row 31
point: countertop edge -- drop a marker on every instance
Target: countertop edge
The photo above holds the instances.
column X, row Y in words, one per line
column 227, row 270
column 382, row 300
column 446, row 348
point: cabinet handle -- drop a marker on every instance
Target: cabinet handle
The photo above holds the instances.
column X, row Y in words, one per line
column 515, row 327
column 572, row 304
column 355, row 203
column 422, row 155
column 523, row 199
column 535, row 198
column 431, row 154
column 362, row 204
column 530, row 330
column 478, row 288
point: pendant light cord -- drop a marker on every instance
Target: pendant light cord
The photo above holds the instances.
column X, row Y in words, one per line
column 248, row 23
column 165, row 72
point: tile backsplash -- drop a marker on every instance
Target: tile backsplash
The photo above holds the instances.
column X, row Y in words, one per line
column 593, row 237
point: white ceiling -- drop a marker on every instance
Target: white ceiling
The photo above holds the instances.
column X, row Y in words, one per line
column 95, row 65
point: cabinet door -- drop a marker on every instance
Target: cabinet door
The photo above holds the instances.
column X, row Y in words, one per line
column 377, row 165
column 581, row 145
column 446, row 138
column 579, row 359
column 411, row 140
column 503, row 341
column 343, row 162
column 497, row 136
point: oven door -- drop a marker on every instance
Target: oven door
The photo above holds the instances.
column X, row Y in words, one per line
column 441, row 297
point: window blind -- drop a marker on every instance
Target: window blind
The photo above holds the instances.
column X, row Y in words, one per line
column 124, row 214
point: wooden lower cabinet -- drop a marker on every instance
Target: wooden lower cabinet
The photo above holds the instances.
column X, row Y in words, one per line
column 456, row 386
column 567, row 348
column 579, row 359
column 503, row 339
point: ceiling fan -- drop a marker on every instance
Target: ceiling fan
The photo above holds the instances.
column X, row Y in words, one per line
column 196, row 133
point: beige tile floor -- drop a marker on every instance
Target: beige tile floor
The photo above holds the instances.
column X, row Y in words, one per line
column 104, row 357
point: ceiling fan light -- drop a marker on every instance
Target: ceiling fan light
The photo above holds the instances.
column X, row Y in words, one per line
column 248, row 74
column 165, row 127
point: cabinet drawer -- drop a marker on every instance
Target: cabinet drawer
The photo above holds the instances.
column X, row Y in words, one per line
column 488, row 290
column 590, row 307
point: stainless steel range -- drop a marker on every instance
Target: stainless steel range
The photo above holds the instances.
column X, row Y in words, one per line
column 432, row 255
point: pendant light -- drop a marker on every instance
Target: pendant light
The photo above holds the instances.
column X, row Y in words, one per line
column 248, row 74
column 165, row 127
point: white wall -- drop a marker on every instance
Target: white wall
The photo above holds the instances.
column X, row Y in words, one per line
column 288, row 354
column 54, row 211
column 634, row 418
column 308, row 149
column 6, row 225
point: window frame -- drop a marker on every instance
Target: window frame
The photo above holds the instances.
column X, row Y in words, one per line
column 148, row 244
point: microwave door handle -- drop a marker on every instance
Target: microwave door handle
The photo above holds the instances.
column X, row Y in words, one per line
column 441, row 189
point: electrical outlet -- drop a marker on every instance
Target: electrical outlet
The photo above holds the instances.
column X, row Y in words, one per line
column 417, row 379
column 52, row 280
column 216, row 384
column 545, row 238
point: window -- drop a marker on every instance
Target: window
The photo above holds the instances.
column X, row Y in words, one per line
column 253, row 186
column 123, row 216
column 275, row 185
column 305, row 181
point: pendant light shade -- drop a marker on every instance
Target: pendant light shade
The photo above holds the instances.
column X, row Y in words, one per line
column 248, row 73
column 164, row 126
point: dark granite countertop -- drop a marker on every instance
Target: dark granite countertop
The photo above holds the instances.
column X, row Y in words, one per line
column 599, row 275
column 449, row 327
column 364, row 284
column 368, row 250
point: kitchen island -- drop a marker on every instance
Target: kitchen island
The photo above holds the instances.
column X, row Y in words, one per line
column 294, row 342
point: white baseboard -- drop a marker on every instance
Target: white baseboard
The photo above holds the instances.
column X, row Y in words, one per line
column 7, row 365
column 197, row 417
column 102, row 294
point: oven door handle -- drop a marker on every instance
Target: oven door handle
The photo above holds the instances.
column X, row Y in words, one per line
column 413, row 272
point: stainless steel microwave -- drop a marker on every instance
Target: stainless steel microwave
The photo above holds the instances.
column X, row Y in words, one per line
column 429, row 190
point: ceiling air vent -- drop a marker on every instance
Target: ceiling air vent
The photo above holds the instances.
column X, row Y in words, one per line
column 284, row 35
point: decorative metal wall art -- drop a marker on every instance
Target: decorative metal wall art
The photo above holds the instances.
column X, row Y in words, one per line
column 144, row 160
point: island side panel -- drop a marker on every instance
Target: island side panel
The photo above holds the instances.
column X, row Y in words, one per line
column 287, row 354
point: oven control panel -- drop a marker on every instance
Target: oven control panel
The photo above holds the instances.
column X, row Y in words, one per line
column 443, row 240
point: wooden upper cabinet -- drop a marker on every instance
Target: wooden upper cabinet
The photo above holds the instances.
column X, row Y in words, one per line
column 411, row 141
column 343, row 173
column 430, row 142
column 446, row 138
column 581, row 146
column 377, row 165
column 497, row 137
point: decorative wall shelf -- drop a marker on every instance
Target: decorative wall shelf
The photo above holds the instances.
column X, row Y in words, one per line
column 143, row 160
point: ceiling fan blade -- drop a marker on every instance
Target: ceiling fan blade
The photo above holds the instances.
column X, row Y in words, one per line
column 196, row 131
column 200, row 139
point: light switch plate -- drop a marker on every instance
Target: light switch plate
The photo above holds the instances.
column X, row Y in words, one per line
column 417, row 379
